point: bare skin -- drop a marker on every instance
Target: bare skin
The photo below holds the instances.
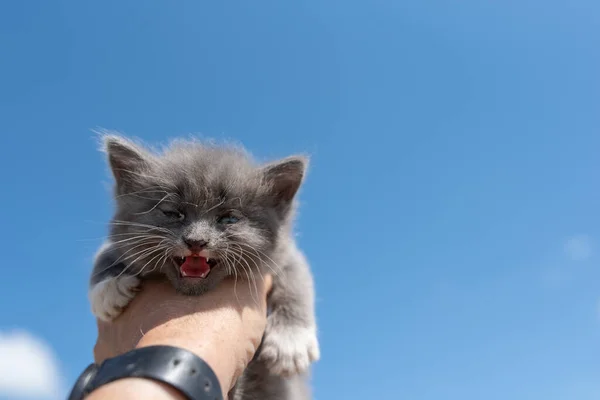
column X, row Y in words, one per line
column 224, row 327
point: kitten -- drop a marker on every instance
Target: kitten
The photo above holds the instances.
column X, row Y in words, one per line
column 198, row 213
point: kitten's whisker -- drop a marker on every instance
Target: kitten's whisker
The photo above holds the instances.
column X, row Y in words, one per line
column 252, row 260
column 137, row 237
column 148, row 253
column 166, row 256
column 236, row 255
column 138, row 241
column 258, row 269
column 274, row 267
column 121, row 259
column 138, row 231
column 111, row 236
column 137, row 224
column 251, row 276
column 159, row 246
column 149, row 228
column 249, row 281
column 230, row 269
column 154, row 207
column 160, row 254
column 140, row 255
column 257, row 253
column 150, row 189
column 164, row 260
column 212, row 208
column 154, row 199
column 134, row 231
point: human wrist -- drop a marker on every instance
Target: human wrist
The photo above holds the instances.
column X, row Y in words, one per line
column 136, row 388
column 176, row 367
column 216, row 336
column 201, row 346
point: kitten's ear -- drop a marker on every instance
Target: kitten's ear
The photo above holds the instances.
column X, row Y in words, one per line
column 285, row 177
column 127, row 161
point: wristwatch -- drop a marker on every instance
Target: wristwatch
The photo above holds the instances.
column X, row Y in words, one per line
column 178, row 368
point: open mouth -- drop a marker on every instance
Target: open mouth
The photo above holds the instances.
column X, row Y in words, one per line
column 194, row 266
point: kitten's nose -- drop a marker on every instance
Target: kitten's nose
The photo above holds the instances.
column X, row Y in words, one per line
column 195, row 246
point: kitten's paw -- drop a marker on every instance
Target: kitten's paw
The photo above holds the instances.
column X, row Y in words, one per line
column 109, row 297
column 289, row 350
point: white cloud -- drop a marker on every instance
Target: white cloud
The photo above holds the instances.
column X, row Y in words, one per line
column 579, row 248
column 28, row 367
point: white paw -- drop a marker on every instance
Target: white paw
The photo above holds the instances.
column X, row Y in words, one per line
column 289, row 350
column 110, row 296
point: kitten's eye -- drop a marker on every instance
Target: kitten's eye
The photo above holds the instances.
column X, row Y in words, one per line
column 228, row 219
column 174, row 215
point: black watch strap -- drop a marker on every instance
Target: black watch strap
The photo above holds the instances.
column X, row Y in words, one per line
column 179, row 368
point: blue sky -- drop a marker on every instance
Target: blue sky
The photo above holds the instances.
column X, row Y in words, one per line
column 450, row 214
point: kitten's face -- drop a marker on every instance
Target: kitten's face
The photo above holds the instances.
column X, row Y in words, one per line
column 198, row 214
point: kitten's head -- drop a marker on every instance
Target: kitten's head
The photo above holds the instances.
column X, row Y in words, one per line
column 199, row 212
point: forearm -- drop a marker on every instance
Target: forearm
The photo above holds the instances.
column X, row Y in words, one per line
column 212, row 338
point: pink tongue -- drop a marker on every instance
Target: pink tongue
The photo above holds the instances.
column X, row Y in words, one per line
column 195, row 267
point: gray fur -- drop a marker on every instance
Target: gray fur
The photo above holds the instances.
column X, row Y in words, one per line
column 202, row 182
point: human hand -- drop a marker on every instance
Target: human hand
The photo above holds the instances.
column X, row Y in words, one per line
column 223, row 326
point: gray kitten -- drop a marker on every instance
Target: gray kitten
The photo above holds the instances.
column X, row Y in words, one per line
column 198, row 213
